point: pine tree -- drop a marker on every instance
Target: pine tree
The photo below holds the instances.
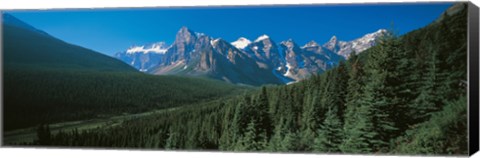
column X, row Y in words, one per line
column 378, row 90
column 289, row 142
column 430, row 89
column 353, row 97
column 310, row 121
column 229, row 128
column 172, row 140
column 330, row 133
column 361, row 136
column 261, row 108
column 252, row 140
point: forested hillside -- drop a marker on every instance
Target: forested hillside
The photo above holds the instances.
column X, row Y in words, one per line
column 46, row 80
column 407, row 95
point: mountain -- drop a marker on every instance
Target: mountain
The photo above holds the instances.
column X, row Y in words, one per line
column 345, row 48
column 46, row 80
column 262, row 61
column 302, row 62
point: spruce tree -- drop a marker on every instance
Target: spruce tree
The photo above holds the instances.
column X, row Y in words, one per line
column 378, row 91
column 309, row 123
column 361, row 136
column 330, row 133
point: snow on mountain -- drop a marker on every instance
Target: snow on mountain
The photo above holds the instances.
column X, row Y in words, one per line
column 366, row 41
column 345, row 48
column 159, row 48
column 262, row 37
column 241, row 43
column 312, row 43
column 288, row 73
column 214, row 41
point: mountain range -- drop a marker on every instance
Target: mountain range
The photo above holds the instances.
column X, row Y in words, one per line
column 257, row 62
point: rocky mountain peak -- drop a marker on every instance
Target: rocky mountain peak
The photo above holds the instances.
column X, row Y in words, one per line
column 185, row 35
column 312, row 43
column 288, row 43
column 332, row 44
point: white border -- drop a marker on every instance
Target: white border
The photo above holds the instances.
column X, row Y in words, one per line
column 82, row 153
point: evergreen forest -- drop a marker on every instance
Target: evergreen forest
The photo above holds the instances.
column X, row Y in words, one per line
column 406, row 95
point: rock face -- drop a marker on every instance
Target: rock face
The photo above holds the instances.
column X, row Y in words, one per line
column 262, row 61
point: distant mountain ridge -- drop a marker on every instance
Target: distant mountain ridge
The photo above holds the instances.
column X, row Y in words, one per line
column 257, row 62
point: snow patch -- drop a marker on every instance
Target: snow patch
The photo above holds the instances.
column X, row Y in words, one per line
column 262, row 37
column 291, row 82
column 241, row 43
column 213, row 42
column 288, row 73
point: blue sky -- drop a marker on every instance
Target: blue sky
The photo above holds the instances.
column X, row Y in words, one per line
column 112, row 30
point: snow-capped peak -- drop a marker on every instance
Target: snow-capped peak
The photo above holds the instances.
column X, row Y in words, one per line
column 360, row 44
column 262, row 37
column 374, row 34
column 160, row 48
column 381, row 31
column 241, row 43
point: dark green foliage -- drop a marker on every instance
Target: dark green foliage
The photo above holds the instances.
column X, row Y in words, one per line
column 444, row 133
column 55, row 96
column 44, row 135
column 329, row 134
column 361, row 135
column 378, row 90
column 406, row 95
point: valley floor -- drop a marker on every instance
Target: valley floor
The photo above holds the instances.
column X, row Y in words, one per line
column 28, row 135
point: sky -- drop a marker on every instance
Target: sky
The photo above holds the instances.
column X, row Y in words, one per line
column 113, row 30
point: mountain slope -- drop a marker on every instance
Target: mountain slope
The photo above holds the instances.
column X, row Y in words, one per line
column 47, row 80
column 24, row 46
